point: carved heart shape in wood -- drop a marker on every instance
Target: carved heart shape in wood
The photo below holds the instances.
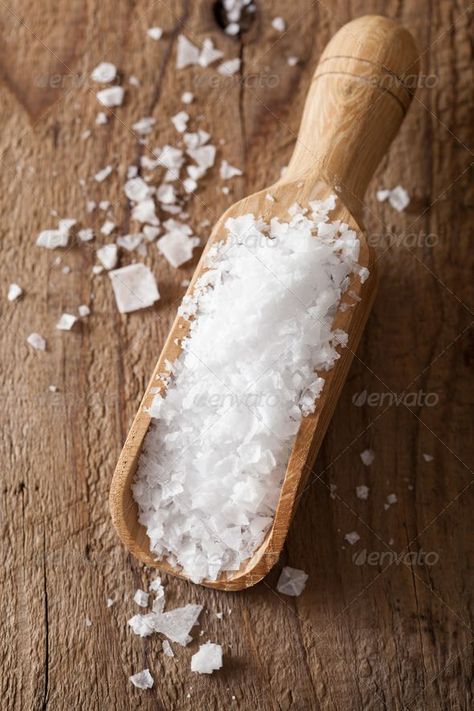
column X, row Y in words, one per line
column 39, row 50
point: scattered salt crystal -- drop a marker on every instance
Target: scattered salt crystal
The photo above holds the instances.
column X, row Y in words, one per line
column 105, row 72
column 269, row 197
column 428, row 457
column 134, row 287
column 391, row 499
column 291, row 581
column 86, row 134
column 187, row 97
column 177, row 247
column 142, row 679
column 130, row 242
column 51, row 239
column 278, row 23
column 52, row 388
column 232, row 29
column 292, row 61
column 175, row 624
column 141, row 598
column 107, row 228
column 207, row 659
column 112, row 96
column 110, row 602
column 367, row 457
column 352, row 537
column 144, row 126
column 97, row 269
column 86, row 234
column 155, row 33
column 397, row 197
column 180, row 121
column 150, row 232
column 101, row 175
column 36, row 341
column 187, row 53
column 134, row 81
column 219, row 615
column 136, row 189
column 209, row 53
column 104, row 204
column 362, row 491
column 144, row 211
column 108, row 255
column 66, row 322
column 167, row 650
column 101, row 119
column 88, row 622
column 229, row 67
column 14, row 292
column 228, row 171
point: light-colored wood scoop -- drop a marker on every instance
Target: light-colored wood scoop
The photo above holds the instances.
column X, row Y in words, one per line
column 356, row 103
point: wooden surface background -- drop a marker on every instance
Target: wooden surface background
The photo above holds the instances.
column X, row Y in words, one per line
column 367, row 633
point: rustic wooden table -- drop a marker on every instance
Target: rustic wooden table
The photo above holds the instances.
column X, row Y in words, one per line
column 371, row 630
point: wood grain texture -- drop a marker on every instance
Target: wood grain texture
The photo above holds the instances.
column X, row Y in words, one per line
column 362, row 636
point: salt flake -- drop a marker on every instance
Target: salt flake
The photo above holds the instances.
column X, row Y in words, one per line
column 292, row 581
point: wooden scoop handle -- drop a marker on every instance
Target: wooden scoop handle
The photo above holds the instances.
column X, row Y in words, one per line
column 361, row 90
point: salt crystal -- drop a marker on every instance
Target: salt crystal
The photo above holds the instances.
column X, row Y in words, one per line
column 291, row 581
column 66, row 322
column 187, row 53
column 36, row 341
column 207, row 659
column 136, row 189
column 104, row 204
column 144, row 211
column 391, row 499
column 187, row 97
column 110, row 602
column 232, row 29
column 180, row 121
column 141, row 598
column 86, row 234
column 142, row 679
column 101, row 175
column 97, row 269
column 367, row 457
column 107, row 228
column 14, row 292
column 52, row 388
column 228, row 171
column 155, row 33
column 51, row 239
column 108, row 255
column 105, row 72
column 88, row 622
column 101, row 119
column 134, row 287
column 177, row 247
column 362, row 491
column 278, row 23
column 144, row 126
column 229, row 67
column 86, row 134
column 130, row 242
column 352, row 537
column 397, row 197
column 167, row 650
column 134, row 81
column 112, row 96
column 208, row 53
column 83, row 310
column 150, row 232
column 428, row 457
column 292, row 61
column 175, row 624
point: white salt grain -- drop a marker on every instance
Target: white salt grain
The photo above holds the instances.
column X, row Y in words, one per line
column 141, row 598
column 362, row 492
column 207, row 659
column 177, row 247
column 105, row 72
column 228, row 171
column 66, row 322
column 428, row 457
column 209, row 54
column 142, row 679
column 187, row 97
column 397, row 197
column 144, row 126
column 36, row 341
column 107, row 228
column 101, row 175
column 215, row 454
column 292, row 61
column 187, row 53
column 155, row 33
column 352, row 537
column 278, row 23
column 229, row 67
column 180, row 121
column 108, row 255
column 291, row 581
column 134, row 287
column 101, row 119
column 86, row 234
column 367, row 457
column 113, row 96
column 167, row 650
column 14, row 292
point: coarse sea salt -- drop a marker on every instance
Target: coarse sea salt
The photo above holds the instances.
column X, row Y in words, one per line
column 292, row 581
column 112, row 96
column 207, row 659
column 367, row 457
column 134, row 287
column 36, row 341
column 104, row 73
column 66, row 322
column 142, row 679
column 14, row 292
column 253, row 364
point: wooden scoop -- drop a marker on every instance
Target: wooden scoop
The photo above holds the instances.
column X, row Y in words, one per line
column 356, row 103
